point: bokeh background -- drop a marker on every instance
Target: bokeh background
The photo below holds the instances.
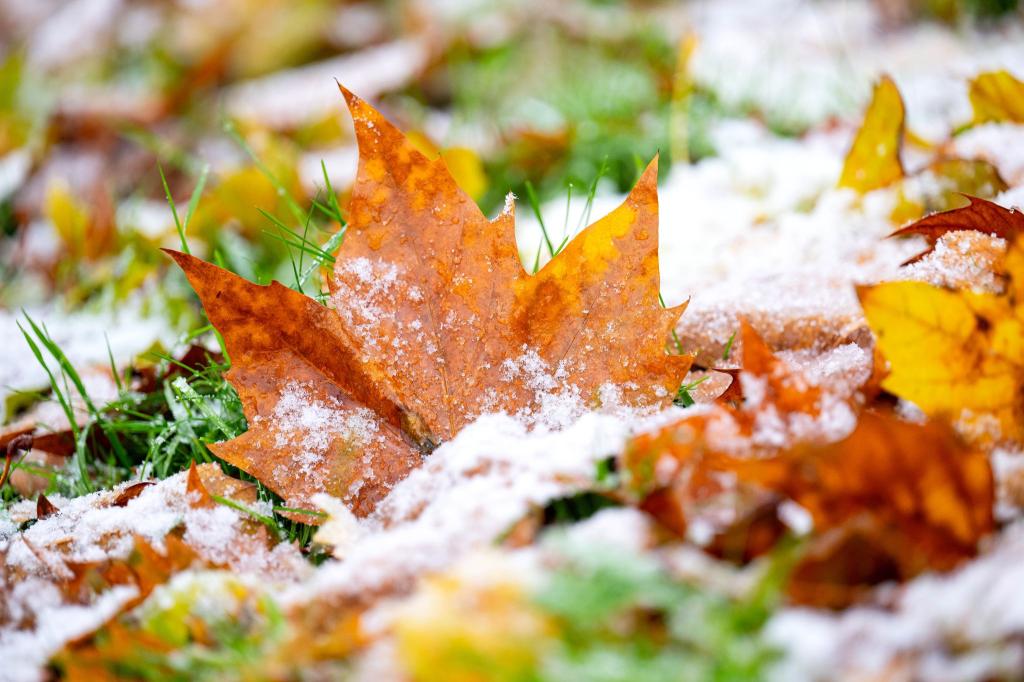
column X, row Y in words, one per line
column 554, row 101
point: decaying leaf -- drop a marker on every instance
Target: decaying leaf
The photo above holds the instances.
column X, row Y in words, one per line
column 980, row 215
column 955, row 353
column 874, row 158
column 907, row 497
column 433, row 321
column 997, row 96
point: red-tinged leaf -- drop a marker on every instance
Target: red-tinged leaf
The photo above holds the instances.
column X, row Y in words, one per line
column 44, row 507
column 433, row 321
column 981, row 215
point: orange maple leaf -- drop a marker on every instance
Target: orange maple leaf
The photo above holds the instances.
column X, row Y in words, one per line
column 432, row 322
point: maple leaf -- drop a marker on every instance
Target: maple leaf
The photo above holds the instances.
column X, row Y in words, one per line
column 432, row 322
column 874, row 157
column 997, row 96
column 957, row 354
column 980, row 215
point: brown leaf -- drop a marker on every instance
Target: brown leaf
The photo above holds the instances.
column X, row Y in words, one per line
column 980, row 215
column 891, row 500
column 44, row 507
column 917, row 479
column 779, row 384
column 434, row 322
column 130, row 493
column 194, row 488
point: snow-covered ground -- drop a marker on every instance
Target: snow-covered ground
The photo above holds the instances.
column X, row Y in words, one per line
column 759, row 230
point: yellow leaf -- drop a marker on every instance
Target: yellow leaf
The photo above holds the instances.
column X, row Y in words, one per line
column 468, row 171
column 874, row 158
column 462, row 162
column 70, row 217
column 997, row 96
column 958, row 354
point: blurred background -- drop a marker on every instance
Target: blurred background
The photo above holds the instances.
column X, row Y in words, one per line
column 108, row 108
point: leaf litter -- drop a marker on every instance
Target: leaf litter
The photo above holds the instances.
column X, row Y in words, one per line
column 778, row 449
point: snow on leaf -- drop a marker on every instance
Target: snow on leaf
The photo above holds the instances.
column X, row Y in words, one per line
column 433, row 322
column 980, row 215
column 955, row 353
column 889, row 501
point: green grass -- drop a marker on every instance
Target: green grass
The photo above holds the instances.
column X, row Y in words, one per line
column 141, row 435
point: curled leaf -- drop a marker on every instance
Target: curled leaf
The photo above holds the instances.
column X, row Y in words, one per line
column 980, row 215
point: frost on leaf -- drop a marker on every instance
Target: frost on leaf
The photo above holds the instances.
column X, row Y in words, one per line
column 429, row 304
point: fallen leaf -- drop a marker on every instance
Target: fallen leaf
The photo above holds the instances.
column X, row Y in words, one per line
column 910, row 497
column 874, row 157
column 778, row 385
column 920, row 479
column 433, row 322
column 945, row 184
column 130, row 493
column 44, row 507
column 980, row 215
column 997, row 96
column 957, row 354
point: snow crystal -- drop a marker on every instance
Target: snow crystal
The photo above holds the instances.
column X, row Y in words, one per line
column 961, row 260
column 310, row 426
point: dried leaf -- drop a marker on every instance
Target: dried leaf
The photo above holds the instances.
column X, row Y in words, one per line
column 997, row 96
column 44, row 507
column 944, row 185
column 917, row 478
column 874, row 158
column 980, row 215
column 130, row 493
column 780, row 386
column 911, row 496
column 194, row 488
column 953, row 353
column 434, row 322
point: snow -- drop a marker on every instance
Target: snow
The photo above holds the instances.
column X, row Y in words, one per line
column 311, row 425
column 470, row 491
column 82, row 336
column 758, row 231
column 961, row 626
column 88, row 529
column 25, row 652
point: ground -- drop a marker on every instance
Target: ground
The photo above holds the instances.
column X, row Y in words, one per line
column 576, row 534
